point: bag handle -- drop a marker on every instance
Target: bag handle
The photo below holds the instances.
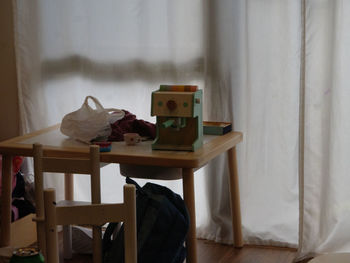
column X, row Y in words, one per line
column 107, row 236
column 100, row 107
column 115, row 110
column 96, row 101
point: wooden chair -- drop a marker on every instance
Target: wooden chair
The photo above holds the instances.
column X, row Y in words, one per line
column 92, row 214
column 69, row 166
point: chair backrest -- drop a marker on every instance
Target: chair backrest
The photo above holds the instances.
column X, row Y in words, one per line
column 89, row 165
column 93, row 214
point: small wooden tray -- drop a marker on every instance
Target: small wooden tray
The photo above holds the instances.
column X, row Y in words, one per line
column 216, row 128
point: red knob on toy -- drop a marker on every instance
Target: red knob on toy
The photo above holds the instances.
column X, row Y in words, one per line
column 171, row 104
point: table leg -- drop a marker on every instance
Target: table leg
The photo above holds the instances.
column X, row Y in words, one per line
column 188, row 191
column 69, row 186
column 39, row 198
column 235, row 199
column 95, row 182
column 67, row 230
column 6, row 201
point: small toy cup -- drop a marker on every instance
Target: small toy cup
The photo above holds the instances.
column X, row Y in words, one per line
column 132, row 138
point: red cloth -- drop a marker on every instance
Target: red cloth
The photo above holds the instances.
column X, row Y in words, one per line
column 130, row 124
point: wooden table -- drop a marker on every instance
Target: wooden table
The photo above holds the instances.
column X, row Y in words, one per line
column 56, row 144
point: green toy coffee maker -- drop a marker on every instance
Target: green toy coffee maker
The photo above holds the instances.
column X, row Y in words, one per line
column 179, row 118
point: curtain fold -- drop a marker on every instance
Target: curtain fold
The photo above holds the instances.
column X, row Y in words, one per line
column 248, row 58
column 253, row 72
column 326, row 210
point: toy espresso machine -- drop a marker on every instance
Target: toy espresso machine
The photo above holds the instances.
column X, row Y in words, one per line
column 179, row 118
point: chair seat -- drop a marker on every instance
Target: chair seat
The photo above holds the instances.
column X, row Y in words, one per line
column 73, row 203
column 332, row 258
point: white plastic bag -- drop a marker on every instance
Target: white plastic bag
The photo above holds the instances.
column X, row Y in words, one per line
column 87, row 123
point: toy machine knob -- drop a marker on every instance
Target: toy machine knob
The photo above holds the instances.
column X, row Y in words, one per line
column 171, row 104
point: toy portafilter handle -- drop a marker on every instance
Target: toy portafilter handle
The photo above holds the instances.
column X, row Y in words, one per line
column 175, row 123
column 168, row 123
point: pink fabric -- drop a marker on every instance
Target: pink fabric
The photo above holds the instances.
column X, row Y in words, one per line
column 16, row 165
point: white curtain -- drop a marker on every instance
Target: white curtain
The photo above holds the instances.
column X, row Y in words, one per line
column 253, row 67
column 249, row 58
column 326, row 203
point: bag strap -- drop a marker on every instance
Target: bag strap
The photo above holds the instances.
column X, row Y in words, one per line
column 106, row 241
column 119, row 114
column 107, row 236
column 128, row 180
column 116, row 112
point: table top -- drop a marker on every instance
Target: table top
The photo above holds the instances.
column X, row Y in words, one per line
column 56, row 144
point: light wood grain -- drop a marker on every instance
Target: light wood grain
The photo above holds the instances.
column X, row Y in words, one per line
column 67, row 229
column 235, row 198
column 39, row 194
column 68, row 186
column 95, row 183
column 189, row 198
column 50, row 226
column 75, row 166
column 89, row 214
column 32, row 134
column 58, row 145
column 23, row 231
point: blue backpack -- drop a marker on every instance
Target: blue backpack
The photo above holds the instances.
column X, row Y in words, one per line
column 162, row 225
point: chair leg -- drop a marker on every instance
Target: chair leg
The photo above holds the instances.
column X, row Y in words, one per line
column 96, row 244
column 95, row 182
column 50, row 226
column 39, row 197
column 67, row 242
column 67, row 230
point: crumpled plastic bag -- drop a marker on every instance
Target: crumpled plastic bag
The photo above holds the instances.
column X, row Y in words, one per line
column 87, row 123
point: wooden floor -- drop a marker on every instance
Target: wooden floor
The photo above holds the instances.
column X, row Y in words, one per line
column 210, row 252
